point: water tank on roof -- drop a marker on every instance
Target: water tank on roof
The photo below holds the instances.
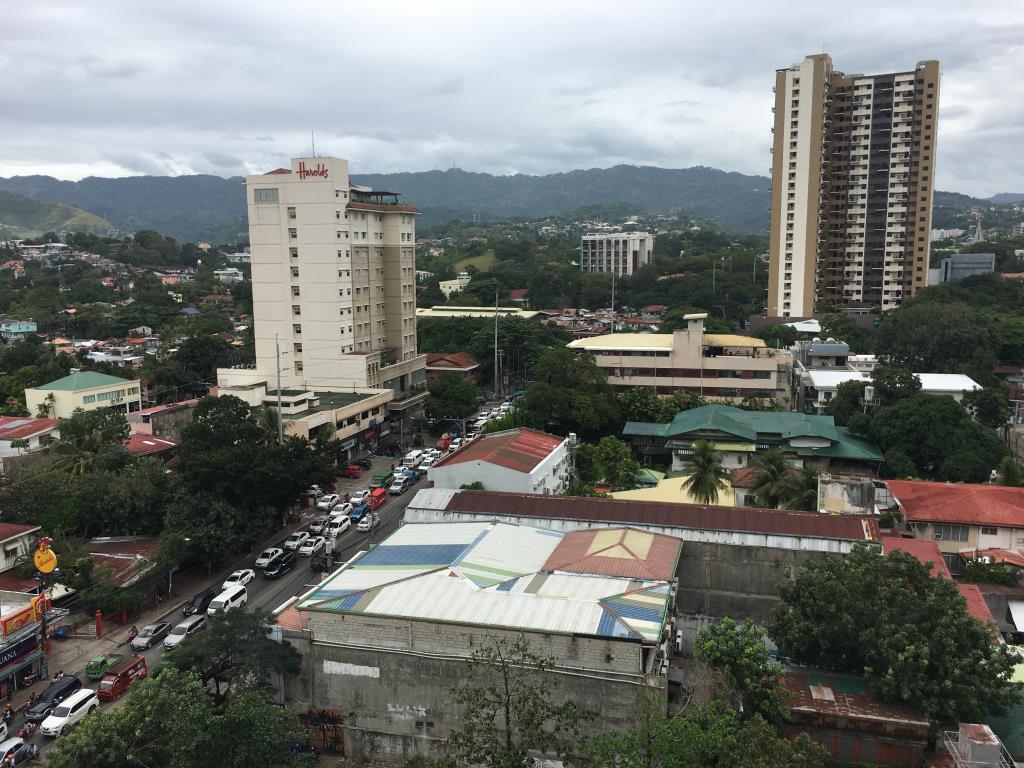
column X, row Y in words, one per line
column 830, row 340
column 816, row 339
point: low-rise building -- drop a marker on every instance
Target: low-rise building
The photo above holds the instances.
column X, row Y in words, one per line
column 961, row 518
column 229, row 275
column 514, row 461
column 15, row 330
column 87, row 390
column 817, row 387
column 960, row 265
column 461, row 363
column 619, row 253
column 20, row 435
column 446, row 312
column 450, row 287
column 395, row 628
column 164, row 421
column 140, row 444
column 714, row 365
column 741, row 436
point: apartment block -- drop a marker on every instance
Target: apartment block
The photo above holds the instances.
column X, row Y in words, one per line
column 715, row 365
column 620, row 253
column 853, row 161
column 334, row 285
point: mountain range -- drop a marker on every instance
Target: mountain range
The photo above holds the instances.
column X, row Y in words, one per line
column 212, row 208
column 24, row 217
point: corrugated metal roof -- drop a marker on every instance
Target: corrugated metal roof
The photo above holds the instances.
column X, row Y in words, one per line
column 624, row 552
column 494, row 575
column 698, row 516
column 518, row 449
column 964, row 503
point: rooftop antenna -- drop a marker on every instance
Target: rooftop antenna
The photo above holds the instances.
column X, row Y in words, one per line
column 313, row 140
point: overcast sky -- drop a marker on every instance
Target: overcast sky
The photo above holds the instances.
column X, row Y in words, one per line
column 111, row 88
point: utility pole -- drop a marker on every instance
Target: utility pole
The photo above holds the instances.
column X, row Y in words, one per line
column 496, row 392
column 280, row 411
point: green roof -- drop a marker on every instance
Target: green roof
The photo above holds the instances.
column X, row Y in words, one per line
column 754, row 426
column 83, row 380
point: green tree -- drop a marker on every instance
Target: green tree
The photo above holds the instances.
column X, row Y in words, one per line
column 772, row 474
column 800, row 491
column 888, row 618
column 509, row 710
column 206, row 530
column 706, row 477
column 91, row 439
column 451, row 396
column 892, row 384
column 988, row 406
column 570, row 393
column 777, row 336
column 170, row 721
column 847, row 402
column 610, row 461
column 236, row 654
column 712, row 736
column 739, row 653
column 1009, row 473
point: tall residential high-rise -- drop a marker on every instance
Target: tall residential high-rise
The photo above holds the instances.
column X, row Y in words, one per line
column 333, row 287
column 853, row 160
column 621, row 253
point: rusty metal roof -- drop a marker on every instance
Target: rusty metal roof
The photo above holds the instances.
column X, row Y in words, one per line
column 697, row 516
column 623, row 552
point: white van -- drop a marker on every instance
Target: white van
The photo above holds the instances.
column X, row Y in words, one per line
column 235, row 597
column 66, row 715
column 412, row 459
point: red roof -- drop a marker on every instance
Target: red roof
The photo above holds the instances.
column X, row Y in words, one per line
column 742, row 477
column 453, row 360
column 291, row 618
column 167, row 407
column 143, row 445
column 10, row 531
column 12, row 582
column 642, row 513
column 277, row 171
column 127, row 558
column 844, row 696
column 20, row 427
column 518, row 449
column 518, row 294
column 626, row 552
column 925, row 551
column 976, row 605
column 654, row 308
column 1004, row 556
column 963, row 503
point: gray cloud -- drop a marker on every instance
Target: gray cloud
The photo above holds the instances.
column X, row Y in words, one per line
column 112, row 88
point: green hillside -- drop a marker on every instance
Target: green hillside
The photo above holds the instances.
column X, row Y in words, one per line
column 22, row 217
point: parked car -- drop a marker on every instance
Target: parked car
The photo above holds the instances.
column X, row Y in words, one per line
column 265, row 557
column 352, row 470
column 98, row 665
column 69, row 712
column 280, row 566
column 315, row 491
column 456, row 444
column 368, row 523
column 327, row 503
column 51, row 696
column 342, row 509
column 240, row 577
column 296, row 540
column 339, row 525
column 312, row 544
column 397, row 488
column 318, row 525
column 229, row 599
column 187, row 628
column 150, row 635
column 200, row 602
column 427, row 463
column 359, row 513
column 359, row 497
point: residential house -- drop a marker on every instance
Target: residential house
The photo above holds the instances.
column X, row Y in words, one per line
column 16, row 330
column 962, row 518
column 513, row 461
column 22, row 435
column 519, row 296
column 740, row 437
column 817, row 387
column 229, row 275
column 87, row 390
column 140, row 444
column 164, row 421
column 457, row 362
column 16, row 544
column 715, row 365
column 449, row 287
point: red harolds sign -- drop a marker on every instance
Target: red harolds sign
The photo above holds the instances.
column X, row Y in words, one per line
column 320, row 170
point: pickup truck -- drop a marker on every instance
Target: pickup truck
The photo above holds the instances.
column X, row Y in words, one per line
column 381, row 480
column 98, row 666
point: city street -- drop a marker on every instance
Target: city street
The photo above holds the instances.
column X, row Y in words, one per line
column 270, row 594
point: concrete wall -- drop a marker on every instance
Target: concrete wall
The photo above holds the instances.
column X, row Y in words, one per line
column 397, row 702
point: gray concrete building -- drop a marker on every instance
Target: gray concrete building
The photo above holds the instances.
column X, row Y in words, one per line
column 961, row 265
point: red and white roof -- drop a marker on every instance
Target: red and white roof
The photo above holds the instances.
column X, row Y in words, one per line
column 963, row 503
column 521, row 450
column 22, row 427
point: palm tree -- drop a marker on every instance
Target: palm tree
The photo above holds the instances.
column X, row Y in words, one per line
column 801, row 491
column 267, row 417
column 706, row 473
column 771, row 478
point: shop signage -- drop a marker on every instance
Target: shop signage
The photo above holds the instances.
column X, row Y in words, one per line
column 319, row 171
column 26, row 615
column 23, row 648
column 44, row 558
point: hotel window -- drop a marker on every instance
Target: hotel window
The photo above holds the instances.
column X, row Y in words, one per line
column 298, row 366
column 291, row 212
column 297, row 329
column 265, row 195
column 296, row 309
column 293, row 233
column 298, row 349
column 295, row 290
column 293, row 252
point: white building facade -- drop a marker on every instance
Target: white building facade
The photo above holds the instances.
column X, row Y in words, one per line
column 512, row 461
column 334, row 283
column 621, row 253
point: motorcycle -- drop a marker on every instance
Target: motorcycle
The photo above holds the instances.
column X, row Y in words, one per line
column 28, row 729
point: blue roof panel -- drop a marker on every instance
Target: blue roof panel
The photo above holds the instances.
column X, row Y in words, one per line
column 411, row 554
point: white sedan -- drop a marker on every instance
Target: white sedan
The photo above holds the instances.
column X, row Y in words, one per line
column 310, row 546
column 267, row 555
column 326, row 503
column 359, row 497
column 296, row 540
column 242, row 576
